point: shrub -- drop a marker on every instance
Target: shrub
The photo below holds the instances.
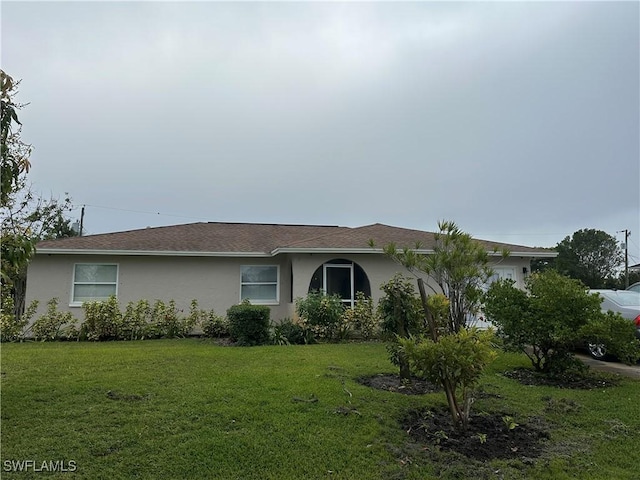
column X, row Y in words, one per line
column 102, row 320
column 322, row 314
column 456, row 361
column 136, row 321
column 54, row 325
column 288, row 332
column 13, row 328
column 215, row 326
column 400, row 309
column 362, row 318
column 249, row 324
column 615, row 334
column 402, row 315
column 545, row 321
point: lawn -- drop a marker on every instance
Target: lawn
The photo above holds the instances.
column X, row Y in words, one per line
column 181, row 409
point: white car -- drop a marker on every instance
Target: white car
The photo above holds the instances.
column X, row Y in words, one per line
column 624, row 302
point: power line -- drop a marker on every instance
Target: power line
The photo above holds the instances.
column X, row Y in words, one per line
column 140, row 211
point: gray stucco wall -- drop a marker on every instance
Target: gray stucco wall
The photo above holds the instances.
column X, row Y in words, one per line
column 213, row 281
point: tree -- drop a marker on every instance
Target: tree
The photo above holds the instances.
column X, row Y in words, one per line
column 28, row 218
column 15, row 153
column 452, row 355
column 591, row 256
column 460, row 267
column 545, row 321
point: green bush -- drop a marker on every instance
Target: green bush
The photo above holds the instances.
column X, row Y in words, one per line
column 102, row 320
column 14, row 329
column 617, row 336
column 363, row 318
column 456, row 361
column 288, row 332
column 136, row 321
column 167, row 322
column 545, row 321
column 215, row 326
column 400, row 309
column 54, row 325
column 249, row 324
column 323, row 314
column 402, row 315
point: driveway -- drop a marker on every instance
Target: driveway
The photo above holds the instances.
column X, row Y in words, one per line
column 632, row 371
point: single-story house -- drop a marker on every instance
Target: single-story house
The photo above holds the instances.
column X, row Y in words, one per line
column 220, row 264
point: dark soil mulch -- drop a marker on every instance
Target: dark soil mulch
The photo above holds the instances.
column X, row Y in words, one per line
column 487, row 437
column 393, row 383
column 587, row 381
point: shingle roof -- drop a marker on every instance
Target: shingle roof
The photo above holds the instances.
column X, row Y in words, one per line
column 251, row 238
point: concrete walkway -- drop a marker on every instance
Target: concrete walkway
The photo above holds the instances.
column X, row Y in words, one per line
column 632, row 371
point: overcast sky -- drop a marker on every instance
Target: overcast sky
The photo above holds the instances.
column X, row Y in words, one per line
column 519, row 121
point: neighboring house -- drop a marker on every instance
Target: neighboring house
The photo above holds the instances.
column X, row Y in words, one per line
column 220, row 264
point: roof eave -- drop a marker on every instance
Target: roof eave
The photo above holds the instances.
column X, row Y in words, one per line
column 146, row 253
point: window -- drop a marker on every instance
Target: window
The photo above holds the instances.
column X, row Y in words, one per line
column 93, row 282
column 500, row 273
column 259, row 284
column 341, row 277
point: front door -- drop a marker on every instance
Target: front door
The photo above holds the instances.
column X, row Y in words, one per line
column 338, row 280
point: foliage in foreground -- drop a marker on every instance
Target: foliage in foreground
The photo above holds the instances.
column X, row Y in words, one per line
column 545, row 321
column 456, row 361
column 459, row 265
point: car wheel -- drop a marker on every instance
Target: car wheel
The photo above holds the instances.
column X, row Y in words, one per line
column 597, row 351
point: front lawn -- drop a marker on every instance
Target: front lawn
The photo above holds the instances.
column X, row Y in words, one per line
column 188, row 408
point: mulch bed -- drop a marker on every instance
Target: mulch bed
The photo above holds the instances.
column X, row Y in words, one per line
column 393, row 383
column 487, row 437
column 588, row 381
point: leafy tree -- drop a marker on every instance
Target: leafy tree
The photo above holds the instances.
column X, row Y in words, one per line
column 453, row 355
column 545, row 321
column 15, row 153
column 591, row 256
column 459, row 265
column 27, row 219
column 456, row 361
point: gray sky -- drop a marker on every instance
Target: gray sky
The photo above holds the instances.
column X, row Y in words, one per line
column 519, row 121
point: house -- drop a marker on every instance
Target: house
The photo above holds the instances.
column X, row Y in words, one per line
column 221, row 264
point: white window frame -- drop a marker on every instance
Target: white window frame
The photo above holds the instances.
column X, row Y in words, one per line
column 262, row 301
column 72, row 302
column 499, row 274
column 347, row 301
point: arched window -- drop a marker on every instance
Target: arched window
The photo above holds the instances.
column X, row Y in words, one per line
column 341, row 277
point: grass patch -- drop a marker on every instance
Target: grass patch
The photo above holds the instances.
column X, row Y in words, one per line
column 191, row 409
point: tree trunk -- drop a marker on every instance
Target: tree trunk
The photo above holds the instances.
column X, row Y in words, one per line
column 430, row 321
column 19, row 293
column 405, row 371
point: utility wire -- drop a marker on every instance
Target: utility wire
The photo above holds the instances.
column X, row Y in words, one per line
column 140, row 211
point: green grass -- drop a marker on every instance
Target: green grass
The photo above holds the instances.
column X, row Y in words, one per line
column 184, row 409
